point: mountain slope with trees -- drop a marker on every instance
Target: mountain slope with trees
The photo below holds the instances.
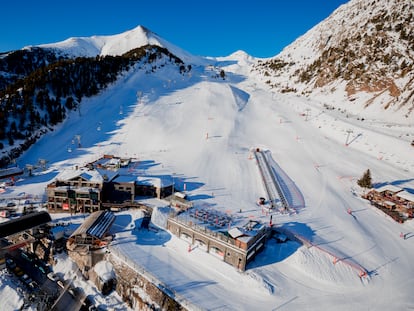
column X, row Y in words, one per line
column 49, row 87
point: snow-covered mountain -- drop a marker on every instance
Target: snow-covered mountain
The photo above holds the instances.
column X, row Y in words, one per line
column 363, row 53
column 199, row 126
column 200, row 129
column 117, row 45
column 360, row 60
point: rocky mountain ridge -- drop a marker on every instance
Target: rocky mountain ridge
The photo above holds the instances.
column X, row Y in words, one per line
column 364, row 51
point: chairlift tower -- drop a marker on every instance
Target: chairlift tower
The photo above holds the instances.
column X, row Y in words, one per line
column 139, row 96
column 42, row 163
column 78, row 139
column 347, row 137
column 173, row 183
column 30, row 168
column 307, row 115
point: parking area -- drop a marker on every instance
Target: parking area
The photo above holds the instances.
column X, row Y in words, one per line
column 39, row 284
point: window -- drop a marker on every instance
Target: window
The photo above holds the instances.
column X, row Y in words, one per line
column 60, row 194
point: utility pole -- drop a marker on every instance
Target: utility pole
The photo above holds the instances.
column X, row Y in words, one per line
column 78, row 138
column 347, row 137
column 42, row 163
column 173, row 181
column 307, row 114
column 29, row 168
column 139, row 97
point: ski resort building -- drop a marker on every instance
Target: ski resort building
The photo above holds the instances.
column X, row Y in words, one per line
column 86, row 243
column 106, row 183
column 395, row 201
column 29, row 232
column 236, row 246
column 10, row 172
column 93, row 230
column 75, row 191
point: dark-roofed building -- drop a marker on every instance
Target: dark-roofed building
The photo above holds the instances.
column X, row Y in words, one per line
column 23, row 223
column 10, row 172
column 93, row 230
column 25, row 232
column 76, row 191
column 86, row 243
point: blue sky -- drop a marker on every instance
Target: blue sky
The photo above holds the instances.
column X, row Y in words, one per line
column 210, row 28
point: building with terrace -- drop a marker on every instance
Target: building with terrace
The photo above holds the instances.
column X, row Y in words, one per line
column 395, row 201
column 108, row 182
column 212, row 232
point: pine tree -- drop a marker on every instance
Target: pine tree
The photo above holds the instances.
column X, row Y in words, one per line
column 365, row 181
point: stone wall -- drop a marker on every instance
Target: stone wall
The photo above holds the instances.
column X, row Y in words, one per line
column 139, row 292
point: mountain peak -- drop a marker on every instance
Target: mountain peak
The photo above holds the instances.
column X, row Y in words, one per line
column 106, row 45
column 117, row 44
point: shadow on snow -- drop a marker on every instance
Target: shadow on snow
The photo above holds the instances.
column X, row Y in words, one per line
column 275, row 251
column 144, row 234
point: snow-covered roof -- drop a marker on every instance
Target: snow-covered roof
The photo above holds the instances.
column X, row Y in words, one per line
column 245, row 233
column 125, row 179
column 86, row 174
column 89, row 176
column 235, row 232
column 156, row 181
column 388, row 187
column 107, row 175
column 109, row 162
column 406, row 195
column 97, row 224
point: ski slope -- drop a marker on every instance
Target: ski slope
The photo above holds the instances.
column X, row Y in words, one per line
column 200, row 129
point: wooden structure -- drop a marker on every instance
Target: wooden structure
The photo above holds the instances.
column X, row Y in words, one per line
column 395, row 201
column 87, row 244
column 93, row 231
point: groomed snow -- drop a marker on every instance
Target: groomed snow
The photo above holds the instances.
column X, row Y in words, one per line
column 200, row 129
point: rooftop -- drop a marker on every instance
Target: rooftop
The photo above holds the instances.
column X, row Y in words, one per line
column 23, row 223
column 96, row 225
column 388, row 187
